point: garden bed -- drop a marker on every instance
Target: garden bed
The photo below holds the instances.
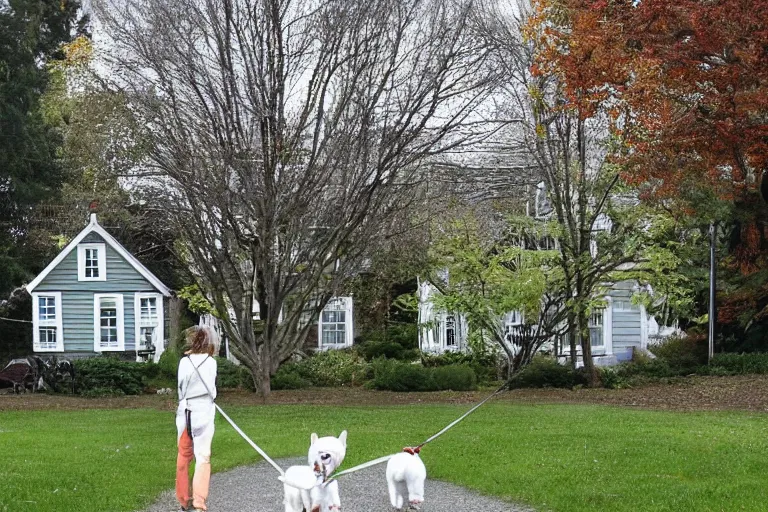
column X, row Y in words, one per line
column 742, row 392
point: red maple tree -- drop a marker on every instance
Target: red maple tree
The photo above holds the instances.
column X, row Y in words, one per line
column 686, row 82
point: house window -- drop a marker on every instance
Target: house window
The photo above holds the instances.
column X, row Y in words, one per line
column 596, row 328
column 148, row 321
column 91, row 262
column 450, row 331
column 334, row 323
column 47, row 320
column 108, row 322
column 624, row 305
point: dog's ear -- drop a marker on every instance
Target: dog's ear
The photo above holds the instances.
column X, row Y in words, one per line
column 313, row 438
column 343, row 438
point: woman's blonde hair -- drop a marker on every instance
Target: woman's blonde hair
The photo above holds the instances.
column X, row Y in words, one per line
column 202, row 339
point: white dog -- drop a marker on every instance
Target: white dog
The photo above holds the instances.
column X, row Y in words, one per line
column 304, row 485
column 405, row 479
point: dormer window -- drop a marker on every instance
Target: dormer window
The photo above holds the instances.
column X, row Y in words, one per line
column 91, row 262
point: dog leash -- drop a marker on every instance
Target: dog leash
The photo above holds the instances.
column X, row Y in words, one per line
column 238, row 429
column 418, row 448
column 461, row 418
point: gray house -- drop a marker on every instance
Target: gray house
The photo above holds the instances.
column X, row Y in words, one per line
column 616, row 330
column 97, row 298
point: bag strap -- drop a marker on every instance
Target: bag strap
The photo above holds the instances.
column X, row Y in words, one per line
column 189, row 378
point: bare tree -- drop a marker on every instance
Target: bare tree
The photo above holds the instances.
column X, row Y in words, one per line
column 289, row 134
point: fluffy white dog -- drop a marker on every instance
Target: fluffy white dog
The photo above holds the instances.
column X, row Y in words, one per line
column 405, row 479
column 304, row 485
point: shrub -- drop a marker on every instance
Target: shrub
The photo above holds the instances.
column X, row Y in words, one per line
column 613, row 379
column 168, row 364
column 152, row 369
column 375, row 349
column 232, row 376
column 485, row 366
column 397, row 341
column 546, row 372
column 392, row 375
column 683, row 354
column 289, row 376
column 460, row 377
column 333, row 368
column 739, row 364
column 109, row 375
column 654, row 368
column 407, row 335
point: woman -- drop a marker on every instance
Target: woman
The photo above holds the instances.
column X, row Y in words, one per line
column 194, row 417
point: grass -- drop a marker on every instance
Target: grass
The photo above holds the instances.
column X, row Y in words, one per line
column 564, row 458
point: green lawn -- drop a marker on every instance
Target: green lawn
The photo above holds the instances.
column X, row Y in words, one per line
column 565, row 458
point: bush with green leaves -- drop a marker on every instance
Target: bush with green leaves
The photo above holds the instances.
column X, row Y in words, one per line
column 232, row 376
column 545, row 372
column 393, row 375
column 458, row 377
column 613, row 379
column 397, row 341
column 485, row 366
column 289, row 376
column 738, row 364
column 375, row 349
column 108, row 375
column 334, row 368
column 168, row 364
column 683, row 354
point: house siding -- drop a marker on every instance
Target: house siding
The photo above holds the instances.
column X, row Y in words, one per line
column 627, row 328
column 77, row 296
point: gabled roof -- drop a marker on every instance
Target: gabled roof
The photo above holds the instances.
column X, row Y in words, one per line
column 94, row 227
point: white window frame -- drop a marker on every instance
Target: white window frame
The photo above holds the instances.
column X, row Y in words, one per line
column 452, row 318
column 591, row 325
column 606, row 348
column 159, row 328
column 102, row 261
column 348, row 324
column 118, row 297
column 625, row 306
column 37, row 324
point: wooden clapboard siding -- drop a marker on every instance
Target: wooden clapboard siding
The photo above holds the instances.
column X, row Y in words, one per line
column 626, row 324
column 121, row 276
column 77, row 297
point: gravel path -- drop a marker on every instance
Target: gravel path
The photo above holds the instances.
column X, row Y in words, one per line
column 257, row 489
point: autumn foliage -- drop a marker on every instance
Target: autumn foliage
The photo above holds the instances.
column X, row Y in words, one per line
column 686, row 84
column 686, row 80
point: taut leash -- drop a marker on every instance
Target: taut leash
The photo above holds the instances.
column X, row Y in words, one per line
column 456, row 422
column 249, row 441
column 238, row 429
column 418, row 448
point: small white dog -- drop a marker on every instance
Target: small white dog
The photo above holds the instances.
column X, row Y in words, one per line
column 405, row 479
column 309, row 492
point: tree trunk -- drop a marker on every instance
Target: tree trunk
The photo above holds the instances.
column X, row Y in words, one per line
column 572, row 334
column 586, row 348
column 175, row 314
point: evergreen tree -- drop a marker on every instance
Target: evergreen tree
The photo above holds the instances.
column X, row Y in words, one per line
column 31, row 34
